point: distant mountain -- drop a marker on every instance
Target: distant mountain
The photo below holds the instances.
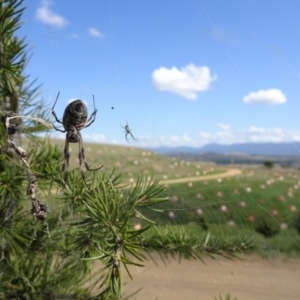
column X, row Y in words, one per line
column 266, row 149
column 170, row 150
column 281, row 149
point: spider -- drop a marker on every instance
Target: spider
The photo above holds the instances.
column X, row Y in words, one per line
column 128, row 131
column 75, row 119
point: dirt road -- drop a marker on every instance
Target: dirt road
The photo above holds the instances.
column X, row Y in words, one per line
column 251, row 278
column 228, row 173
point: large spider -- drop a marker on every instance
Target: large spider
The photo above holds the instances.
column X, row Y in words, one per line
column 75, row 119
column 128, row 131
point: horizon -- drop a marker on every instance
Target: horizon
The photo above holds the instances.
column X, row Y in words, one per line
column 136, row 145
column 230, row 74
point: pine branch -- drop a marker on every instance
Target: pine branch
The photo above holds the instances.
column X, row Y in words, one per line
column 183, row 242
column 39, row 210
column 105, row 232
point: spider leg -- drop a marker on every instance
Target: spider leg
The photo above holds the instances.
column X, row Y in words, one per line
column 82, row 160
column 53, row 112
column 92, row 118
column 133, row 136
column 55, row 101
column 58, row 128
column 56, row 118
column 65, row 165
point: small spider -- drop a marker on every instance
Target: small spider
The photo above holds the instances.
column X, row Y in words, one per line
column 75, row 119
column 128, row 131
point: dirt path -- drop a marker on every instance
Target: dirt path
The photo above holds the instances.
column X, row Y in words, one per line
column 251, row 278
column 228, row 173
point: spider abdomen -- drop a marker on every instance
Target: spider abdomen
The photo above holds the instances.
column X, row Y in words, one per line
column 75, row 119
column 75, row 115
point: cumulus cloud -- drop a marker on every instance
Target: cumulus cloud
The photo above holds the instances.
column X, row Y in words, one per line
column 96, row 33
column 186, row 82
column 95, row 138
column 268, row 97
column 183, row 138
column 48, row 16
column 225, row 136
column 228, row 136
column 252, row 134
column 169, row 141
column 259, row 134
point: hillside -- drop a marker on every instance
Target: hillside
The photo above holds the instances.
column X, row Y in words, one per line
column 249, row 153
column 132, row 162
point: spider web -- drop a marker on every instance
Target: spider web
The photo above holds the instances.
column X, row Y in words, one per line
column 222, row 200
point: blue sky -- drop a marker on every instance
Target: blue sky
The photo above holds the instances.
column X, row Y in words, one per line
column 179, row 72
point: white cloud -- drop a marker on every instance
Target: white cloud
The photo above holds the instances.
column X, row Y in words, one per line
column 183, row 138
column 259, row 134
column 226, row 137
column 49, row 17
column 89, row 138
column 186, row 82
column 75, row 36
column 223, row 126
column 96, row 33
column 248, row 135
column 269, row 97
column 170, row 141
column 95, row 138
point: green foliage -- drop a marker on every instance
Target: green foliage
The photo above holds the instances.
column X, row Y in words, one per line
column 132, row 162
column 16, row 92
column 89, row 238
column 268, row 164
column 266, row 229
column 53, row 258
column 12, row 55
column 227, row 297
column 41, row 155
column 105, row 232
column 261, row 203
column 190, row 243
column 56, row 256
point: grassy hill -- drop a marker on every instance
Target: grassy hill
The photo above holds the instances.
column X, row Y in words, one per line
column 132, row 162
column 260, row 203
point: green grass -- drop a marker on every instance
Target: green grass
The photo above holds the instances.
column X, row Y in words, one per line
column 275, row 204
column 231, row 206
column 231, row 199
column 133, row 162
